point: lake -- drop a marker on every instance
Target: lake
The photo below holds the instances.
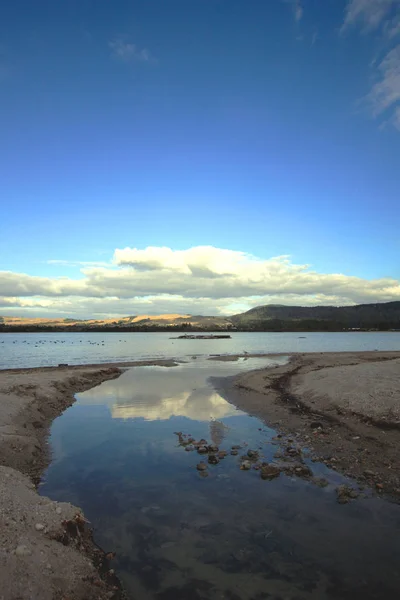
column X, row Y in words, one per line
column 22, row 350
column 230, row 535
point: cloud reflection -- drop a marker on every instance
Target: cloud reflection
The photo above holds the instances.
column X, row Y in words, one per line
column 158, row 393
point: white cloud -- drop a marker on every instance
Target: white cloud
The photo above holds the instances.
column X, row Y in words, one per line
column 298, row 11
column 128, row 52
column 385, row 93
column 370, row 14
column 199, row 280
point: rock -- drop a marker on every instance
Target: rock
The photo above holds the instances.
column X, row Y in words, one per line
column 236, row 447
column 303, row 471
column 201, row 466
column 252, row 454
column 246, row 465
column 320, row 481
column 212, row 448
column 222, row 454
column 22, row 550
column 189, row 448
column 213, row 460
column 316, row 425
column 59, row 510
column 292, row 451
column 345, row 493
column 234, row 452
column 369, row 473
column 269, row 471
column 379, row 486
column 202, row 450
column 203, row 473
column 39, row 526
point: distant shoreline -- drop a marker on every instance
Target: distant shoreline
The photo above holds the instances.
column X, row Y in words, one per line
column 173, row 330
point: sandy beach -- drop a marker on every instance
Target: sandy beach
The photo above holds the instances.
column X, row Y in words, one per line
column 344, row 407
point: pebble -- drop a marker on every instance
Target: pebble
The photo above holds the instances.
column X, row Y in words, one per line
column 213, row 460
column 252, row 453
column 202, row 450
column 39, row 526
column 22, row 550
column 201, row 466
column 234, row 452
column 246, row 465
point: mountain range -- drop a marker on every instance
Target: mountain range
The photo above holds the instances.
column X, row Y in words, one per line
column 271, row 317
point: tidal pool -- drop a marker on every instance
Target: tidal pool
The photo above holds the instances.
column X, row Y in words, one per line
column 230, row 535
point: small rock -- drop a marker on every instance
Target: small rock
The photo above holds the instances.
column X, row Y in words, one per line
column 22, row 550
column 213, row 448
column 369, row 473
column 246, row 465
column 236, row 447
column 48, row 566
column 320, row 481
column 59, row 510
column 213, row 460
column 201, row 466
column 292, row 451
column 202, row 450
column 39, row 526
column 234, row 452
column 252, row 453
column 189, row 448
column 203, row 473
column 345, row 494
column 222, row 454
column 316, row 425
column 379, row 486
column 269, row 471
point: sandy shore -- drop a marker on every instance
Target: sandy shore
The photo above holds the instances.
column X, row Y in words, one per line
column 344, row 407
column 46, row 548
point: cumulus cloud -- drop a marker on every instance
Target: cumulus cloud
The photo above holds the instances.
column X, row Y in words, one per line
column 128, row 52
column 199, row 280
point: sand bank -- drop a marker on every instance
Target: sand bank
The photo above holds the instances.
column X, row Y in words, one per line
column 344, row 407
column 46, row 548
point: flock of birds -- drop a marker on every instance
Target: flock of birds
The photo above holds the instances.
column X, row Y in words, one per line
column 37, row 343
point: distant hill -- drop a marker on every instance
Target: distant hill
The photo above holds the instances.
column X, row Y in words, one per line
column 272, row 317
column 362, row 316
column 131, row 323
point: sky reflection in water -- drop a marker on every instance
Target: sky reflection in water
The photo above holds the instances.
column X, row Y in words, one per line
column 231, row 535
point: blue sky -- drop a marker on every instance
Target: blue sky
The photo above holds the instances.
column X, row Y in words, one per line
column 268, row 128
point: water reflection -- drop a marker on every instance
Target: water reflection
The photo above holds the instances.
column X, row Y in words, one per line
column 230, row 536
column 157, row 393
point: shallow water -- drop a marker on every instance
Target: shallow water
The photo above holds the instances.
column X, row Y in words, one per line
column 230, row 535
column 23, row 350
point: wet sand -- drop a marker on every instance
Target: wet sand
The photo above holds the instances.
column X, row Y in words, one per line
column 343, row 407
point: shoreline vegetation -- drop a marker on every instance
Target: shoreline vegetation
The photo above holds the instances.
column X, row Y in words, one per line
column 344, row 408
column 269, row 318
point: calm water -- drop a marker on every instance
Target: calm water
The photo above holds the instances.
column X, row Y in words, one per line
column 46, row 349
column 230, row 535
